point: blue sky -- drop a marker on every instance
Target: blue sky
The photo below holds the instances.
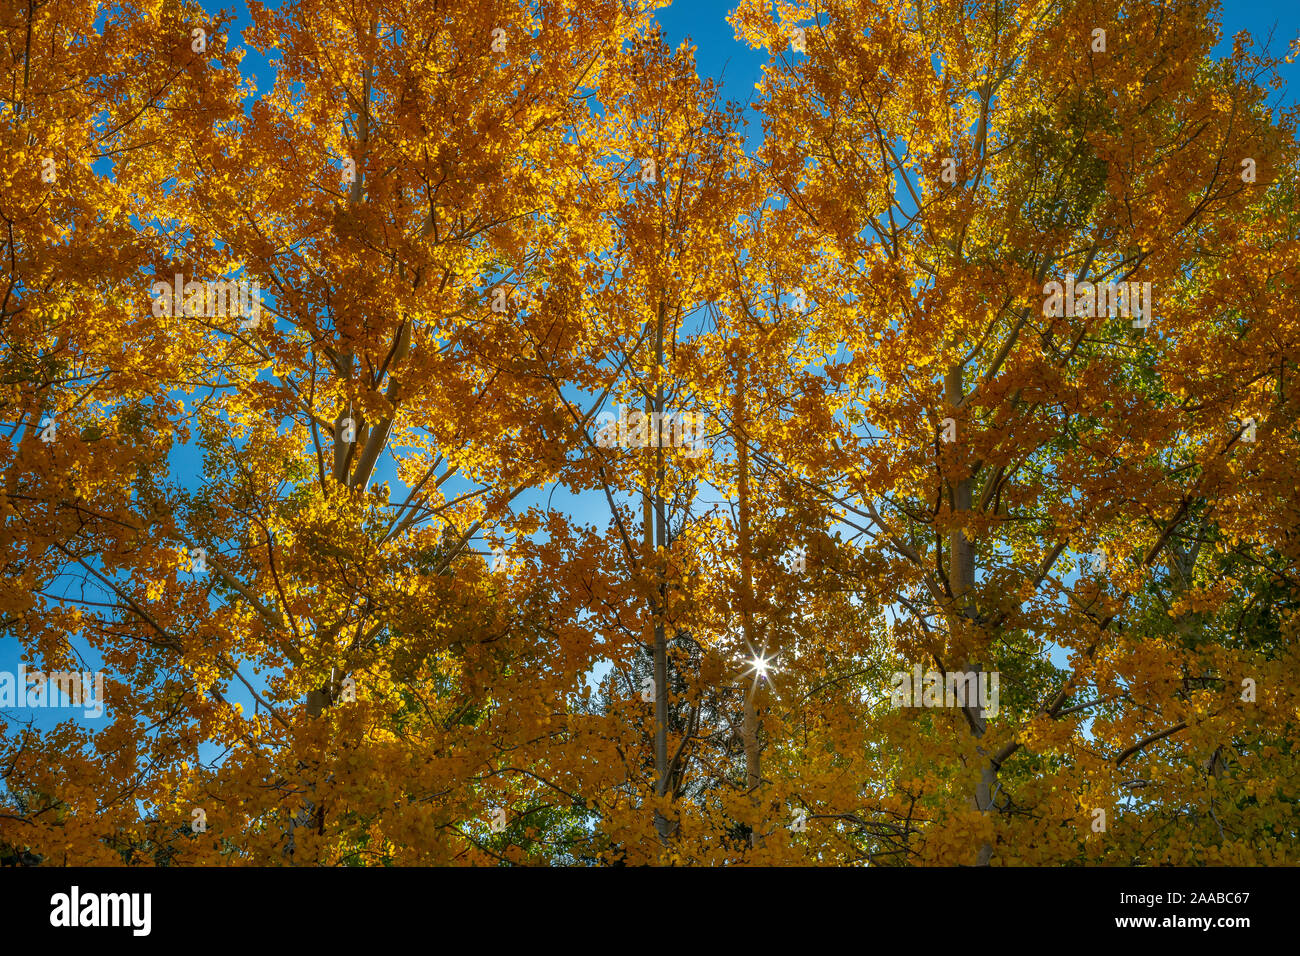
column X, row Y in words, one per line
column 720, row 55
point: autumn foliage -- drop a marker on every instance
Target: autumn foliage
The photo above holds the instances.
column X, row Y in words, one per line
column 371, row 578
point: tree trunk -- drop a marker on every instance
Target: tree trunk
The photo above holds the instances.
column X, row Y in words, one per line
column 655, row 535
column 749, row 724
column 961, row 581
column 344, row 452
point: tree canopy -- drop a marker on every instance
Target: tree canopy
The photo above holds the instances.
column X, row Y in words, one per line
column 491, row 445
